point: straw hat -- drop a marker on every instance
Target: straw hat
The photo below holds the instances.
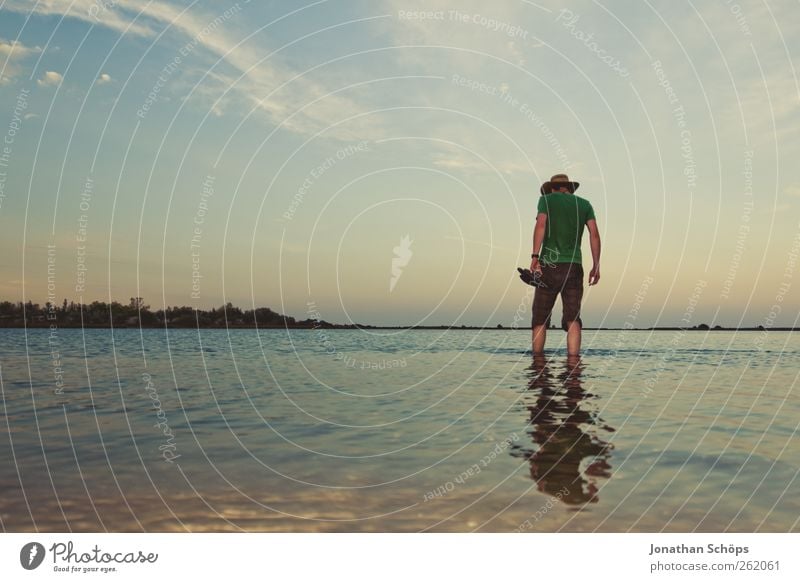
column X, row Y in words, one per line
column 558, row 181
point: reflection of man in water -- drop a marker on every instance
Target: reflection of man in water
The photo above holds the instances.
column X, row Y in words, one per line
column 565, row 433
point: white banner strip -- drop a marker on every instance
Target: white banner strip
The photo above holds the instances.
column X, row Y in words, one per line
column 415, row 557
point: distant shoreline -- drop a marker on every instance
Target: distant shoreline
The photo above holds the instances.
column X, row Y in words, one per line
column 123, row 325
column 137, row 315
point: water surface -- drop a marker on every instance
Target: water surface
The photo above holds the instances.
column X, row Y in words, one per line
column 398, row 431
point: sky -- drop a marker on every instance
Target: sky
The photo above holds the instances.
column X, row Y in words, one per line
column 380, row 162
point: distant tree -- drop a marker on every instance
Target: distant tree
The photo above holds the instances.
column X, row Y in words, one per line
column 702, row 326
column 137, row 304
column 232, row 312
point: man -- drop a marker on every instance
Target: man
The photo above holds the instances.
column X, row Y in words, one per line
column 557, row 258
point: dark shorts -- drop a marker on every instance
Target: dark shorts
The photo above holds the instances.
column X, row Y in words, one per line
column 561, row 278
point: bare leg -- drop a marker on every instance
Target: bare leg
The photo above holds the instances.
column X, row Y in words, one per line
column 538, row 337
column 573, row 361
column 573, row 338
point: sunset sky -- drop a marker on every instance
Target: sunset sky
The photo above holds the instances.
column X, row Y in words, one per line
column 380, row 162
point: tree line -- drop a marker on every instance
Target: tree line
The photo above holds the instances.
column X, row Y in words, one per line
column 137, row 314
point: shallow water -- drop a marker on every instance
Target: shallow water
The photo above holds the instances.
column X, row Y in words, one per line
column 398, row 431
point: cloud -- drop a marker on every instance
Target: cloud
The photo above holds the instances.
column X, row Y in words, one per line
column 276, row 90
column 792, row 190
column 105, row 13
column 259, row 78
column 103, row 79
column 457, row 160
column 504, row 30
column 469, row 166
column 459, row 163
column 50, row 79
column 10, row 53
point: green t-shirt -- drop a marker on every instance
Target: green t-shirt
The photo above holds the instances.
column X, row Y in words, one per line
column 566, row 216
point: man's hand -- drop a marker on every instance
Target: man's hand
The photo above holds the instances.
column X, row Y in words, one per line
column 535, row 266
column 594, row 275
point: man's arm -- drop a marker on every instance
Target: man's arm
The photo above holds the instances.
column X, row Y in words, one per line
column 538, row 239
column 594, row 241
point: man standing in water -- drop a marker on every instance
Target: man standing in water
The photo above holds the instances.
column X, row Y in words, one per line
column 556, row 257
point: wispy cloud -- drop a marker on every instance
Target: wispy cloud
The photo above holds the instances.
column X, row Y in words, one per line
column 11, row 52
column 501, row 30
column 50, row 79
column 298, row 102
column 792, row 190
column 115, row 15
column 460, row 162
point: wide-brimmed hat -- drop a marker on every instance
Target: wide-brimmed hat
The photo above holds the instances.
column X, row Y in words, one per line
column 558, row 181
